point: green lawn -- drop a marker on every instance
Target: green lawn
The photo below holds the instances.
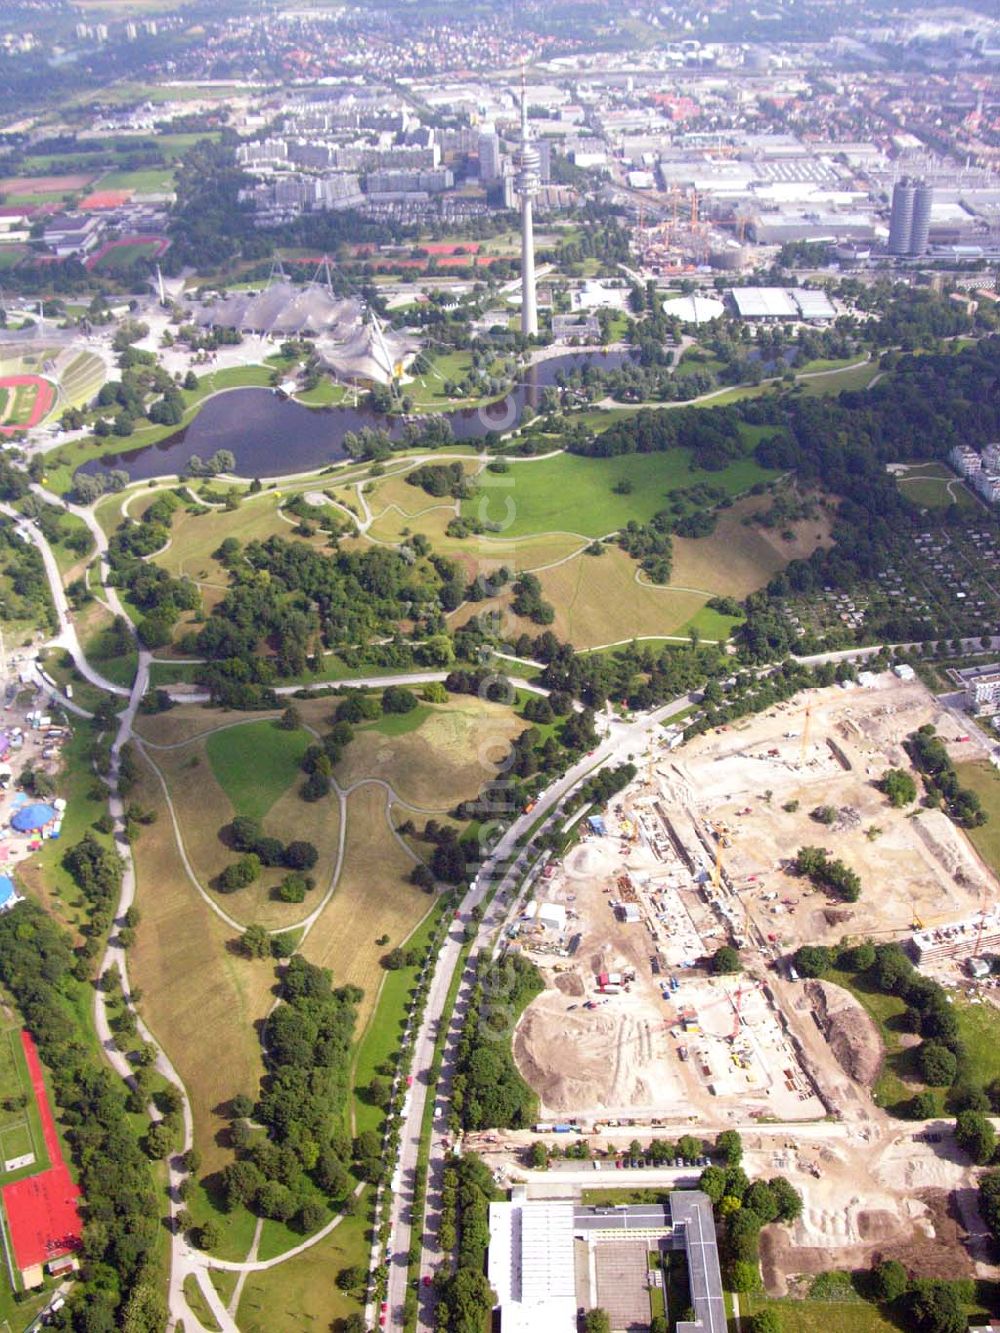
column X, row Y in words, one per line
column 398, row 724
column 301, row 1294
column 255, row 763
column 571, row 493
column 152, row 181
column 200, row 1307
column 123, row 256
column 325, row 394
column 381, row 1036
column 101, row 650
column 712, row 624
column 856, row 377
column 821, row 1316
column 170, row 673
column 984, row 780
column 935, row 486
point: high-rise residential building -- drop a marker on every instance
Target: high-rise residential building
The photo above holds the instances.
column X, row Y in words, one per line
column 489, row 156
column 910, row 219
column 527, row 162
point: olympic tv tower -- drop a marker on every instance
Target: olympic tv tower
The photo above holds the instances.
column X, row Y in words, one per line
column 528, row 163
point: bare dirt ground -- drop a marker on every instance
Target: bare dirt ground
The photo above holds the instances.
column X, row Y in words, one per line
column 698, row 850
column 828, row 749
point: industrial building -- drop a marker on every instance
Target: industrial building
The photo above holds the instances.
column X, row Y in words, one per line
column 782, row 303
column 539, row 1287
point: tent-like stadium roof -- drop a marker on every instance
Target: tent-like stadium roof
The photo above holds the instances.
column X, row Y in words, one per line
column 369, row 353
column 284, row 308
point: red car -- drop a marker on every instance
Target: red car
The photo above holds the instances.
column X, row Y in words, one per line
column 409, row 1080
column 381, row 1320
column 384, row 1306
column 427, row 1279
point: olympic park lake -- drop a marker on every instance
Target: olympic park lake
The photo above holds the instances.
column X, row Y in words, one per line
column 270, row 436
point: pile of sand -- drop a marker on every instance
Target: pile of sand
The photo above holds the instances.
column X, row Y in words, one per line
column 853, row 1037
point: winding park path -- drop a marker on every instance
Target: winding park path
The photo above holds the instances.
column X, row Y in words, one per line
column 185, row 1260
column 505, row 866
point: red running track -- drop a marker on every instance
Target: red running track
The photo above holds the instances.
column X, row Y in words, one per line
column 42, row 1214
column 41, row 405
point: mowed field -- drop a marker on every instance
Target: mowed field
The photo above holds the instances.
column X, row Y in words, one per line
column 200, row 998
column 984, row 780
column 448, row 758
column 250, row 768
column 373, row 898
column 301, row 1295
column 602, row 599
column 738, row 558
column 607, row 598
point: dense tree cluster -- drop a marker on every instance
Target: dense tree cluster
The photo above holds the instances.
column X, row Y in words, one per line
column 440, row 479
column 161, row 598
column 301, row 1103
column 742, row 1209
column 713, row 438
column 119, row 1285
column 488, row 1092
column 467, row 1191
column 826, row 873
column 841, row 444
column 899, row 786
column 247, row 836
column 28, row 596
column 941, row 780
column 97, row 872
column 297, row 601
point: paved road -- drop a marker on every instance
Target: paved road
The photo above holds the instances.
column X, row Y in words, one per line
column 67, row 637
column 622, row 739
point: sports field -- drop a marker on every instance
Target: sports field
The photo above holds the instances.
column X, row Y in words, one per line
column 122, row 253
column 27, row 400
column 41, row 1210
column 22, row 1148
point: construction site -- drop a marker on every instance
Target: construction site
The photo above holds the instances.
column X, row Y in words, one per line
column 698, row 853
column 636, row 1038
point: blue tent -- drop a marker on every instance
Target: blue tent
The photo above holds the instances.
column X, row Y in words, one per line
column 30, row 818
column 597, row 825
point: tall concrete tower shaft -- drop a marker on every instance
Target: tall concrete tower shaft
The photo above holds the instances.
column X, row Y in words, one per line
column 528, row 163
